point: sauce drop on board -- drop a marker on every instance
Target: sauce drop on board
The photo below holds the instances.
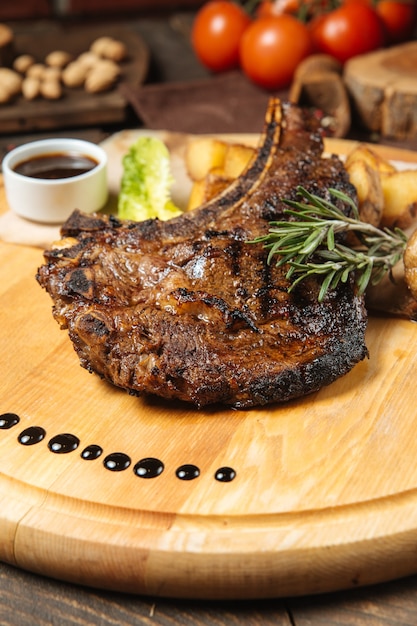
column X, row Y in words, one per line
column 63, row 443
column 117, row 461
column 148, row 468
column 91, row 452
column 57, row 165
column 31, row 435
column 8, row 420
column 225, row 474
column 187, row 472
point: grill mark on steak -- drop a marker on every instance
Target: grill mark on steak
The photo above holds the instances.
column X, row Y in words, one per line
column 189, row 309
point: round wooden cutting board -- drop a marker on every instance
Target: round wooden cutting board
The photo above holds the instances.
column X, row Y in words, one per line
column 312, row 496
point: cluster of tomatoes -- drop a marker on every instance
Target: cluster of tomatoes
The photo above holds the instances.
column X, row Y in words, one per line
column 270, row 40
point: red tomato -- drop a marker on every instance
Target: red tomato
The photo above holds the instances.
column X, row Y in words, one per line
column 216, row 33
column 352, row 29
column 267, row 8
column 271, row 48
column 399, row 19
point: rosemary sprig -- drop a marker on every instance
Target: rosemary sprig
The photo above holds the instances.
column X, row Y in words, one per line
column 310, row 246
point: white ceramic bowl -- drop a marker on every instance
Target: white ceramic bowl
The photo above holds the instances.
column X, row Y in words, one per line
column 53, row 200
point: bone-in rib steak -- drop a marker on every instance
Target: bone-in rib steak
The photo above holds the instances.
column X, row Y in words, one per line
column 188, row 309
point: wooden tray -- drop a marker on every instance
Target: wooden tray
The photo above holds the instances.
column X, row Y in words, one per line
column 76, row 107
column 316, row 495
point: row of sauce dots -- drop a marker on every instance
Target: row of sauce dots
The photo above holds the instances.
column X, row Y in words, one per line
column 115, row 462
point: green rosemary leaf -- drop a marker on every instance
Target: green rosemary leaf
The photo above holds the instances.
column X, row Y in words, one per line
column 379, row 274
column 310, row 243
column 345, row 274
column 330, row 238
column 326, row 284
column 347, row 200
column 363, row 279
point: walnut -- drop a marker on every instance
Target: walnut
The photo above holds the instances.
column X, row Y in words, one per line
column 109, row 48
column 98, row 81
column 10, row 80
column 23, row 62
column 58, row 58
column 5, row 95
column 87, row 59
column 51, row 89
column 36, row 70
column 74, row 74
column 31, row 87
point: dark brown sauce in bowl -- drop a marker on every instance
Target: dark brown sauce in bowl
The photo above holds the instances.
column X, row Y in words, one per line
column 54, row 166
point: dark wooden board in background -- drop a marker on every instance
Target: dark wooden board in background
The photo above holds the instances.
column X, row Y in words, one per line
column 76, row 107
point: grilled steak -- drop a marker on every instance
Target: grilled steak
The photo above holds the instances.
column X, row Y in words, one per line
column 189, row 309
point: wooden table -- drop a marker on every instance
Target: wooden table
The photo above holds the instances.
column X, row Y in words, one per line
column 27, row 599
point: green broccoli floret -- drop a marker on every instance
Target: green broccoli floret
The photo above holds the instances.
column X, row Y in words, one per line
column 146, row 182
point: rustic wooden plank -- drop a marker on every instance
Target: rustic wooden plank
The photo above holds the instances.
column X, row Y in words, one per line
column 26, row 599
column 76, row 107
column 25, row 9
column 102, row 7
column 391, row 604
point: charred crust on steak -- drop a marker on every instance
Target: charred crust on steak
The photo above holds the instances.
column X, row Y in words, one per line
column 81, row 281
column 91, row 325
column 188, row 309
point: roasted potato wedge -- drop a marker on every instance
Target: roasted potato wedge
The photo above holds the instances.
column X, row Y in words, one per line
column 387, row 196
column 410, row 264
column 205, row 189
column 197, row 194
column 205, row 154
column 202, row 155
column 364, row 153
column 236, row 159
column 400, row 198
column 367, row 182
column 212, row 164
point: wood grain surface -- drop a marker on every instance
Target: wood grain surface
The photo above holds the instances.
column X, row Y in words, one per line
column 26, row 599
column 383, row 89
column 324, row 496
